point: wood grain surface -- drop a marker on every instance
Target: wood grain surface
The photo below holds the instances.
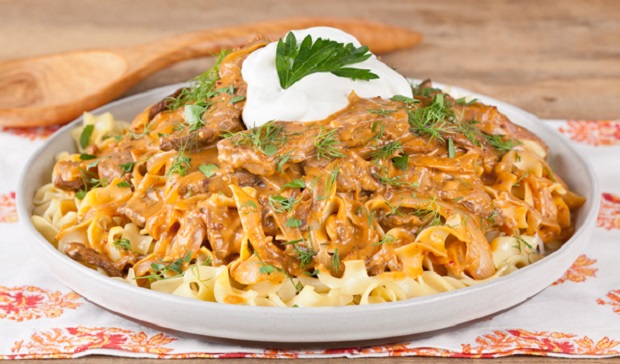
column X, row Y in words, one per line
column 556, row 59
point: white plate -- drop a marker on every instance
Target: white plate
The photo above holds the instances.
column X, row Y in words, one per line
column 313, row 325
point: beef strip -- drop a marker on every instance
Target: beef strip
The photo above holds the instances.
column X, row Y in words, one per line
column 493, row 122
column 79, row 252
column 110, row 167
column 163, row 104
column 68, row 175
column 222, row 115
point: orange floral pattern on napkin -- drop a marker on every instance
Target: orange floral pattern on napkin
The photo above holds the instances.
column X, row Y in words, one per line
column 62, row 342
column 31, row 303
column 8, row 211
column 519, row 341
column 579, row 271
column 40, row 132
column 613, row 299
column 593, row 132
column 609, row 213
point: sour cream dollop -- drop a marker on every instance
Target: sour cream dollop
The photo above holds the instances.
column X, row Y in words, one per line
column 315, row 96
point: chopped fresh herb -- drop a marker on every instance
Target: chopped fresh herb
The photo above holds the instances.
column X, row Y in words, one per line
column 87, row 132
column 207, row 262
column 266, row 138
column 394, row 181
column 370, row 215
column 269, row 269
column 393, row 209
column 118, row 138
column 387, row 238
column 401, row 162
column 180, row 164
column 147, row 129
column 489, row 221
column 518, row 181
column 500, row 143
column 228, row 90
column 304, row 253
column 266, row 269
column 451, row 151
column 80, row 194
column 463, row 101
column 86, row 157
column 236, row 99
column 193, row 116
column 329, row 183
column 470, row 132
column 250, row 207
column 124, row 184
column 429, row 215
column 282, row 204
column 382, row 112
column 94, row 183
column 387, row 151
column 122, row 244
column 335, row 265
column 202, row 88
column 162, row 270
column 294, row 223
column 94, row 163
column 327, row 145
column 520, row 240
column 127, row 167
column 208, row 169
column 281, row 161
column 296, row 183
column 295, row 61
column 433, row 120
column 405, row 99
column 381, row 125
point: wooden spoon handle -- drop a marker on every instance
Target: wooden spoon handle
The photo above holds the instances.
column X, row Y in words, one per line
column 56, row 88
column 380, row 38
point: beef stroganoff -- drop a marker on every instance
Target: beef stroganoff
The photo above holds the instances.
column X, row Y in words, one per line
column 390, row 197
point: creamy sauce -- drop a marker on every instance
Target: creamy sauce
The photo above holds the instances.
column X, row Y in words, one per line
column 315, row 96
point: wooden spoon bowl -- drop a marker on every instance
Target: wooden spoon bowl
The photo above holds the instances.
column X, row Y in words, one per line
column 55, row 89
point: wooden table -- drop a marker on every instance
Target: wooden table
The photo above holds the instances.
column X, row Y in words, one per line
column 556, row 59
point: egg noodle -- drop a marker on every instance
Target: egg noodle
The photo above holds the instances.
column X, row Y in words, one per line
column 384, row 200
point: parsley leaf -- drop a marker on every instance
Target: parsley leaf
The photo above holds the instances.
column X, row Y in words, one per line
column 87, row 132
column 401, row 162
column 405, row 99
column 296, row 183
column 208, row 169
column 282, row 204
column 122, row 244
column 295, row 61
column 193, row 116
column 236, row 99
column 293, row 222
column 86, row 157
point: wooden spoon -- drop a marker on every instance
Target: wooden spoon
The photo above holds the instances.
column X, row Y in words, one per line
column 57, row 88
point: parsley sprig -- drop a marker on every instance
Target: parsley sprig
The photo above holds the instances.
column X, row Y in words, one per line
column 162, row 270
column 295, row 61
column 267, row 138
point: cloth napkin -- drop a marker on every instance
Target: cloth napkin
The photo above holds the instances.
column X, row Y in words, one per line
column 578, row 316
